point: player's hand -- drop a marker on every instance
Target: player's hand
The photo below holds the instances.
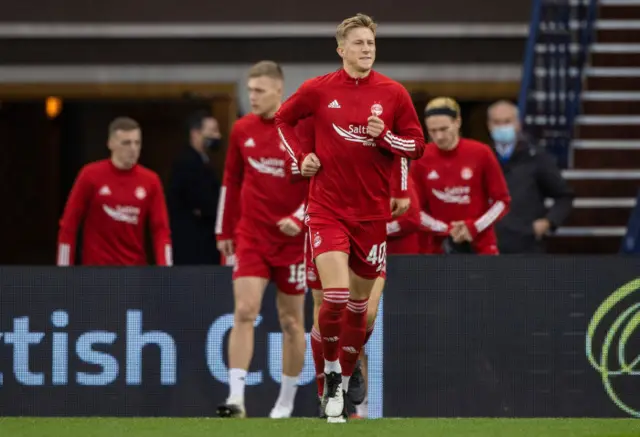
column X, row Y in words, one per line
column 375, row 126
column 225, row 247
column 289, row 227
column 310, row 165
column 541, row 227
column 399, row 206
column 460, row 232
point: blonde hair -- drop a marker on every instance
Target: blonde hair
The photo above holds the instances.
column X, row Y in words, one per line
column 348, row 24
column 446, row 105
column 266, row 68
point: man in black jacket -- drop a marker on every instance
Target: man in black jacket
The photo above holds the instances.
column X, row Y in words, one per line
column 532, row 176
column 193, row 195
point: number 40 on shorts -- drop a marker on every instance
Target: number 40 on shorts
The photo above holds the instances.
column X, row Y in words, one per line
column 378, row 255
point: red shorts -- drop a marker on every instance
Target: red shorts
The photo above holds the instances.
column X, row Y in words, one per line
column 313, row 278
column 283, row 264
column 365, row 242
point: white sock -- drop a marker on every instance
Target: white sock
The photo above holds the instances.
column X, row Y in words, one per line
column 288, row 389
column 332, row 366
column 345, row 382
column 236, row 386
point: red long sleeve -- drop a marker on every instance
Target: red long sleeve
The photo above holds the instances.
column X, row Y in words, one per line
column 297, row 107
column 229, row 201
column 74, row 212
column 113, row 207
column 428, row 223
column 159, row 224
column 400, row 178
column 405, row 138
column 496, row 188
column 409, row 222
column 305, row 134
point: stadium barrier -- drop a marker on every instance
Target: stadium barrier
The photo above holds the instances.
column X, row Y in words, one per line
column 457, row 336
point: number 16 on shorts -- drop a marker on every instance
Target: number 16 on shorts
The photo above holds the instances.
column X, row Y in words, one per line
column 378, row 255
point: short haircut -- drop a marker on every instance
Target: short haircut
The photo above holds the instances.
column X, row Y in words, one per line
column 196, row 120
column 442, row 106
column 266, row 68
column 348, row 24
column 504, row 102
column 126, row 124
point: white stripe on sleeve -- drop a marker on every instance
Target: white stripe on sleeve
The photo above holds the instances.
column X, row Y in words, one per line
column 64, row 250
column 490, row 216
column 220, row 213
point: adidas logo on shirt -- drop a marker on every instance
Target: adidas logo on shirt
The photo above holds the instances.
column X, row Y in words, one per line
column 105, row 191
column 433, row 175
column 250, row 143
column 334, row 105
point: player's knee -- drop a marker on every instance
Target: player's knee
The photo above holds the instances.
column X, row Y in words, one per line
column 371, row 319
column 246, row 312
column 317, row 300
column 290, row 324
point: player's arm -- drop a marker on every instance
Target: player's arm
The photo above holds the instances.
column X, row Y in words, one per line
column 292, row 224
column 74, row 212
column 405, row 137
column 297, row 107
column 428, row 223
column 408, row 222
column 400, row 194
column 553, row 185
column 496, row 189
column 229, row 200
column 159, row 224
column 305, row 135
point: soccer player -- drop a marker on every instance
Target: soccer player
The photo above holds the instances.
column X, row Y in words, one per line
column 268, row 210
column 361, row 120
column 114, row 199
column 460, row 185
column 400, row 229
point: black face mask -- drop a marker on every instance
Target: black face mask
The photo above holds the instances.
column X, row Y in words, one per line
column 212, row 143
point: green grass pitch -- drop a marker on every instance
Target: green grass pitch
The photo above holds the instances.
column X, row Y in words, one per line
column 168, row 427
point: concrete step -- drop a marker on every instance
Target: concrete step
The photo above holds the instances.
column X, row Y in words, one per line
column 604, row 183
column 606, row 158
column 618, row 35
column 613, row 83
column 611, row 102
column 607, row 129
column 619, row 11
column 610, row 217
column 615, row 55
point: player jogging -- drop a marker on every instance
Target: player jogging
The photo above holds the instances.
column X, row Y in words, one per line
column 399, row 229
column 113, row 200
column 361, row 120
column 460, row 185
column 267, row 207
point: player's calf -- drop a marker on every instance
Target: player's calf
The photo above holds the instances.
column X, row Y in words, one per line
column 291, row 315
column 248, row 292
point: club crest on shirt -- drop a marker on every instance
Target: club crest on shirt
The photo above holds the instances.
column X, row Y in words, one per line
column 466, row 173
column 140, row 193
column 317, row 240
column 311, row 275
column 376, row 109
